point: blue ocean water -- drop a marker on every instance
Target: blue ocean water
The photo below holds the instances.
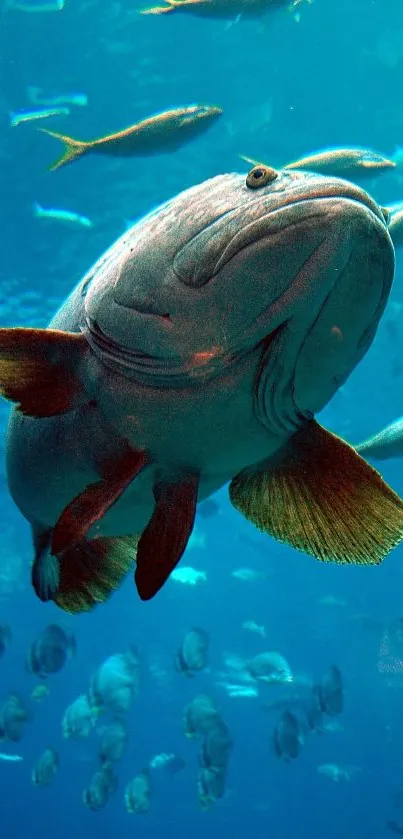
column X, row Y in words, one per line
column 287, row 87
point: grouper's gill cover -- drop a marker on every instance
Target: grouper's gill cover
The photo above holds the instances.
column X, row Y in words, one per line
column 197, row 351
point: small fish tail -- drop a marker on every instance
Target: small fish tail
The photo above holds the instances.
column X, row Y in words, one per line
column 159, row 10
column 250, row 160
column 73, row 149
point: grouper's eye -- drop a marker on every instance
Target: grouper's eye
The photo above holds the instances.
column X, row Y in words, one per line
column 260, row 176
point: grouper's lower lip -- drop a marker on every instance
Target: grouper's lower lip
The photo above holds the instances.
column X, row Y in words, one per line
column 106, row 344
column 159, row 371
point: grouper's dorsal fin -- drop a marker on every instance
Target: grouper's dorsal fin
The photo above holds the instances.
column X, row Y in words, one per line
column 166, row 535
column 92, row 504
column 324, row 499
column 38, row 370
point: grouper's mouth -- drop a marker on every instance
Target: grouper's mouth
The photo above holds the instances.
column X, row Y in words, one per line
column 163, row 371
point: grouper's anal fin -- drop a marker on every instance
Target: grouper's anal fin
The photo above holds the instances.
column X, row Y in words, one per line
column 323, row 499
column 83, row 575
column 91, row 570
column 164, row 540
column 92, row 504
column 38, row 370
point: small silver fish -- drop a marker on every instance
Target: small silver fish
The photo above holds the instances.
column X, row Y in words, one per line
column 31, row 116
column 251, row 626
column 330, row 600
column 348, row 163
column 247, row 575
column 20, row 6
column 36, row 98
column 61, row 215
column 344, row 162
column 384, row 445
column 337, row 773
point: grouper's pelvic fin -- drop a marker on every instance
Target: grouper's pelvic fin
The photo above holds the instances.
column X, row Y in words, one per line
column 38, row 370
column 72, row 151
column 88, row 570
column 92, row 504
column 164, row 540
column 324, row 499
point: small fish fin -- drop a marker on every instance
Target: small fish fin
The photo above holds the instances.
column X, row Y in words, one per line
column 92, row 504
column 323, row 499
column 37, row 370
column 159, row 10
column 45, row 568
column 386, row 214
column 92, row 570
column 165, row 538
column 73, row 149
column 251, row 160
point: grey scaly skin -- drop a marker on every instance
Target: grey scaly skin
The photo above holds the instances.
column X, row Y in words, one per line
column 213, row 330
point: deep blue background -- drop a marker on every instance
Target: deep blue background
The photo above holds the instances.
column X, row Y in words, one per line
column 286, row 88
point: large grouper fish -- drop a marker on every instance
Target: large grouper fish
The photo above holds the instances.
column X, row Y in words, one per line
column 195, row 352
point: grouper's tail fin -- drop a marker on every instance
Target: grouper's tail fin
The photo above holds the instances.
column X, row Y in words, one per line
column 72, row 151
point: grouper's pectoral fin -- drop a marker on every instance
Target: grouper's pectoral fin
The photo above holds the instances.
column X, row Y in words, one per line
column 164, row 540
column 38, row 370
column 92, row 504
column 324, row 499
